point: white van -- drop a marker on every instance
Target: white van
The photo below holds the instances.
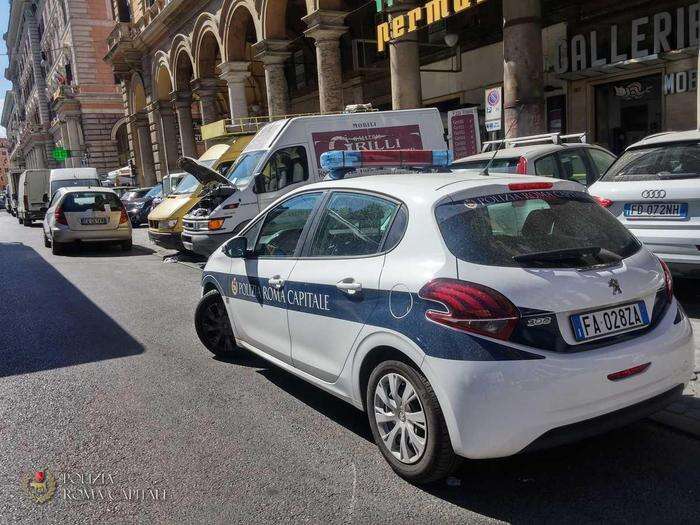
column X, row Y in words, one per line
column 12, row 185
column 67, row 177
column 285, row 155
column 32, row 195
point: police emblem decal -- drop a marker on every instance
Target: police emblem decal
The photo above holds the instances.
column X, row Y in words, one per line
column 234, row 286
column 615, row 285
column 40, row 486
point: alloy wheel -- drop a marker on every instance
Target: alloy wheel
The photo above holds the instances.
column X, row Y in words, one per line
column 400, row 418
column 216, row 327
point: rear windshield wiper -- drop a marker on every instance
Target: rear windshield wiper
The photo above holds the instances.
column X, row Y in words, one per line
column 566, row 254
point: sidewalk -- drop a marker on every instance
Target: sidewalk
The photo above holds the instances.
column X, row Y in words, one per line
column 684, row 415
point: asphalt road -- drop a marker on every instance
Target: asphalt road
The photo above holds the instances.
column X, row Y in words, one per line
column 101, row 373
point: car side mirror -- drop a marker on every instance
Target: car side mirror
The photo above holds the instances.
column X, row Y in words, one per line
column 45, row 198
column 237, row 248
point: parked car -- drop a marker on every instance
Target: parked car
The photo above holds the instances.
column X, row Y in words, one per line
column 32, row 195
column 469, row 316
column 67, row 177
column 165, row 219
column 654, row 190
column 86, row 215
column 285, row 154
column 550, row 155
column 139, row 204
column 134, row 193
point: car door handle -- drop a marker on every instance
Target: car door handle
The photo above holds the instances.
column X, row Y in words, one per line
column 276, row 282
column 349, row 286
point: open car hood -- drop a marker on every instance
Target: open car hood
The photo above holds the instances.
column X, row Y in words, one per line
column 202, row 173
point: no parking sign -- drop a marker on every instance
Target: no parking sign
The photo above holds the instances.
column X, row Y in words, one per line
column 493, row 104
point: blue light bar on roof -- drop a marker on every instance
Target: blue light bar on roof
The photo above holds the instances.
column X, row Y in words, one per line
column 339, row 159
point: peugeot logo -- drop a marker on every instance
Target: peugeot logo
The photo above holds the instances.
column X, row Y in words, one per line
column 654, row 194
column 615, row 285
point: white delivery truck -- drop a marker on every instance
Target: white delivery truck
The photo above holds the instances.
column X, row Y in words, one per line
column 285, row 155
column 32, row 195
column 67, row 177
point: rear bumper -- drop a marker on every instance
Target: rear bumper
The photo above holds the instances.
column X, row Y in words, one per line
column 167, row 240
column 496, row 409
column 36, row 215
column 64, row 235
column 675, row 246
column 204, row 244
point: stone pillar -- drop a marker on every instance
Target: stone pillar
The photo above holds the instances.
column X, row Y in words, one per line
column 182, row 102
column 75, row 140
column 168, row 128
column 153, row 115
column 207, row 90
column 523, row 76
column 326, row 28
column 236, row 75
column 404, row 66
column 273, row 53
column 143, row 136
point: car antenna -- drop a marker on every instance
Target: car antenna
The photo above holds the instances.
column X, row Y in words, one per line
column 485, row 171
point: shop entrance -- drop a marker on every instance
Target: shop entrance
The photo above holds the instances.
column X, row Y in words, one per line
column 627, row 111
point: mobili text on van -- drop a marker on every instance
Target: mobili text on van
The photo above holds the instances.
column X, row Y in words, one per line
column 285, row 155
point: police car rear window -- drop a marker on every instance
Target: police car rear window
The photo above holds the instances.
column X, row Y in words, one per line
column 560, row 229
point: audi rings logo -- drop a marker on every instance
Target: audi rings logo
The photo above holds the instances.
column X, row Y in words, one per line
column 654, row 194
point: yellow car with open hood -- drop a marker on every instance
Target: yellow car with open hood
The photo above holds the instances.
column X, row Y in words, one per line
column 165, row 221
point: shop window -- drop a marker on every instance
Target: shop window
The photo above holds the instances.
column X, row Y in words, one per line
column 626, row 111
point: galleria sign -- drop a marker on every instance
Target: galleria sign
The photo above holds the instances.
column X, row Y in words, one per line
column 647, row 35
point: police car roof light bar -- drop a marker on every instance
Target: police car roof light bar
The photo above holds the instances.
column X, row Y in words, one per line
column 340, row 161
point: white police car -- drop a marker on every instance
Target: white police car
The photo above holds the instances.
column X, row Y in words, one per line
column 468, row 315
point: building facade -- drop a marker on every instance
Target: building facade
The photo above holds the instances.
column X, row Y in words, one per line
column 63, row 94
column 616, row 71
column 4, row 162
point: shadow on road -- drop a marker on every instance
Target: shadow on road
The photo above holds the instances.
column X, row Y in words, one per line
column 688, row 294
column 104, row 250
column 47, row 322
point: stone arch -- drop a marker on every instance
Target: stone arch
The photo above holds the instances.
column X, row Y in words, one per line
column 118, row 124
column 206, row 45
column 237, row 20
column 181, row 63
column 274, row 14
column 162, row 77
column 137, row 99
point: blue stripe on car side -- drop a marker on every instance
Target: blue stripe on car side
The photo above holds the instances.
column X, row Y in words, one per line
column 326, row 300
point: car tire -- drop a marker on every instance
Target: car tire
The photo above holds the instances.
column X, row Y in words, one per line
column 19, row 219
column 213, row 326
column 56, row 247
column 127, row 245
column 27, row 222
column 437, row 458
column 47, row 243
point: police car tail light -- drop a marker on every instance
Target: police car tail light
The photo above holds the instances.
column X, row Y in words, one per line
column 529, row 186
column 605, row 203
column 668, row 280
column 60, row 217
column 471, row 307
column 521, row 168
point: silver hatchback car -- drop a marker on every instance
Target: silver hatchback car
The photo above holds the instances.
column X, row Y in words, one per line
column 654, row 190
column 85, row 215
